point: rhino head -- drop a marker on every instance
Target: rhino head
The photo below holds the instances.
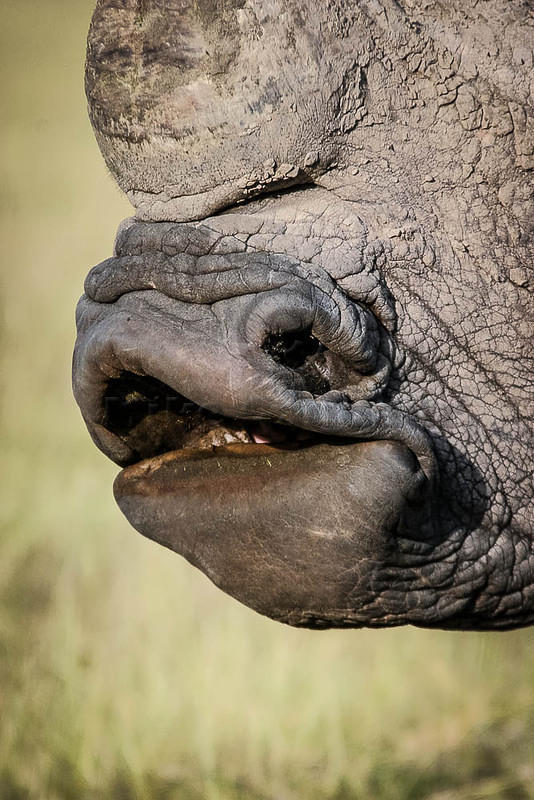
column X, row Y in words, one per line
column 311, row 352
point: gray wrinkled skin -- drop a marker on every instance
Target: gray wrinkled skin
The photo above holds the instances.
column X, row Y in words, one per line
column 360, row 173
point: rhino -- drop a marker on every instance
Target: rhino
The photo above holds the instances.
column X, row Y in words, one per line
column 311, row 351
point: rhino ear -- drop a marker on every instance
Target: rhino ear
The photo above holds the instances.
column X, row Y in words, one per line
column 197, row 105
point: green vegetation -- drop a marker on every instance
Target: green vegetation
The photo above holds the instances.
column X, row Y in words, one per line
column 123, row 673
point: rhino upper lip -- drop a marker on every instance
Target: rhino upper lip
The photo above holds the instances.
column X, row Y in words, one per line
column 145, row 351
column 133, row 412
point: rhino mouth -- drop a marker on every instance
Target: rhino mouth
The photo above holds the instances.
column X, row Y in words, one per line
column 241, row 448
column 150, row 383
column 282, row 518
column 151, row 418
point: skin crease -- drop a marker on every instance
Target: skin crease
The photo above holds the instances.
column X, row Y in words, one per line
column 369, row 173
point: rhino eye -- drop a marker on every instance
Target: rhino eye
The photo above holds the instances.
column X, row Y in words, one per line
column 292, row 348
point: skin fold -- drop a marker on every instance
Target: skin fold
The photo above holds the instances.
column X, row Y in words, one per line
column 311, row 351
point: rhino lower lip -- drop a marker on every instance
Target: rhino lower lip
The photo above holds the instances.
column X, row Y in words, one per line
column 277, row 528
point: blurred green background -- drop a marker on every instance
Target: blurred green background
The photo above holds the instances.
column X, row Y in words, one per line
column 123, row 672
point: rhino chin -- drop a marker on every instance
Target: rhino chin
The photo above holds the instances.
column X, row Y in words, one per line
column 287, row 531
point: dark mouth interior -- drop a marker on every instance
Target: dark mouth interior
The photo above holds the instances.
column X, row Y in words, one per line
column 153, row 419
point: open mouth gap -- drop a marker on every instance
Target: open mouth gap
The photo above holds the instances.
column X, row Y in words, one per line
column 152, row 418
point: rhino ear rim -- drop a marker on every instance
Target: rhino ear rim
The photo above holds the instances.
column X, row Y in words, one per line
column 194, row 113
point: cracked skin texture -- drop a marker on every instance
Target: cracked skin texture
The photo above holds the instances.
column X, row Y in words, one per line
column 402, row 136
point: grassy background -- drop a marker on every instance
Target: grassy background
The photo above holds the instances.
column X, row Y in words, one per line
column 123, row 672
